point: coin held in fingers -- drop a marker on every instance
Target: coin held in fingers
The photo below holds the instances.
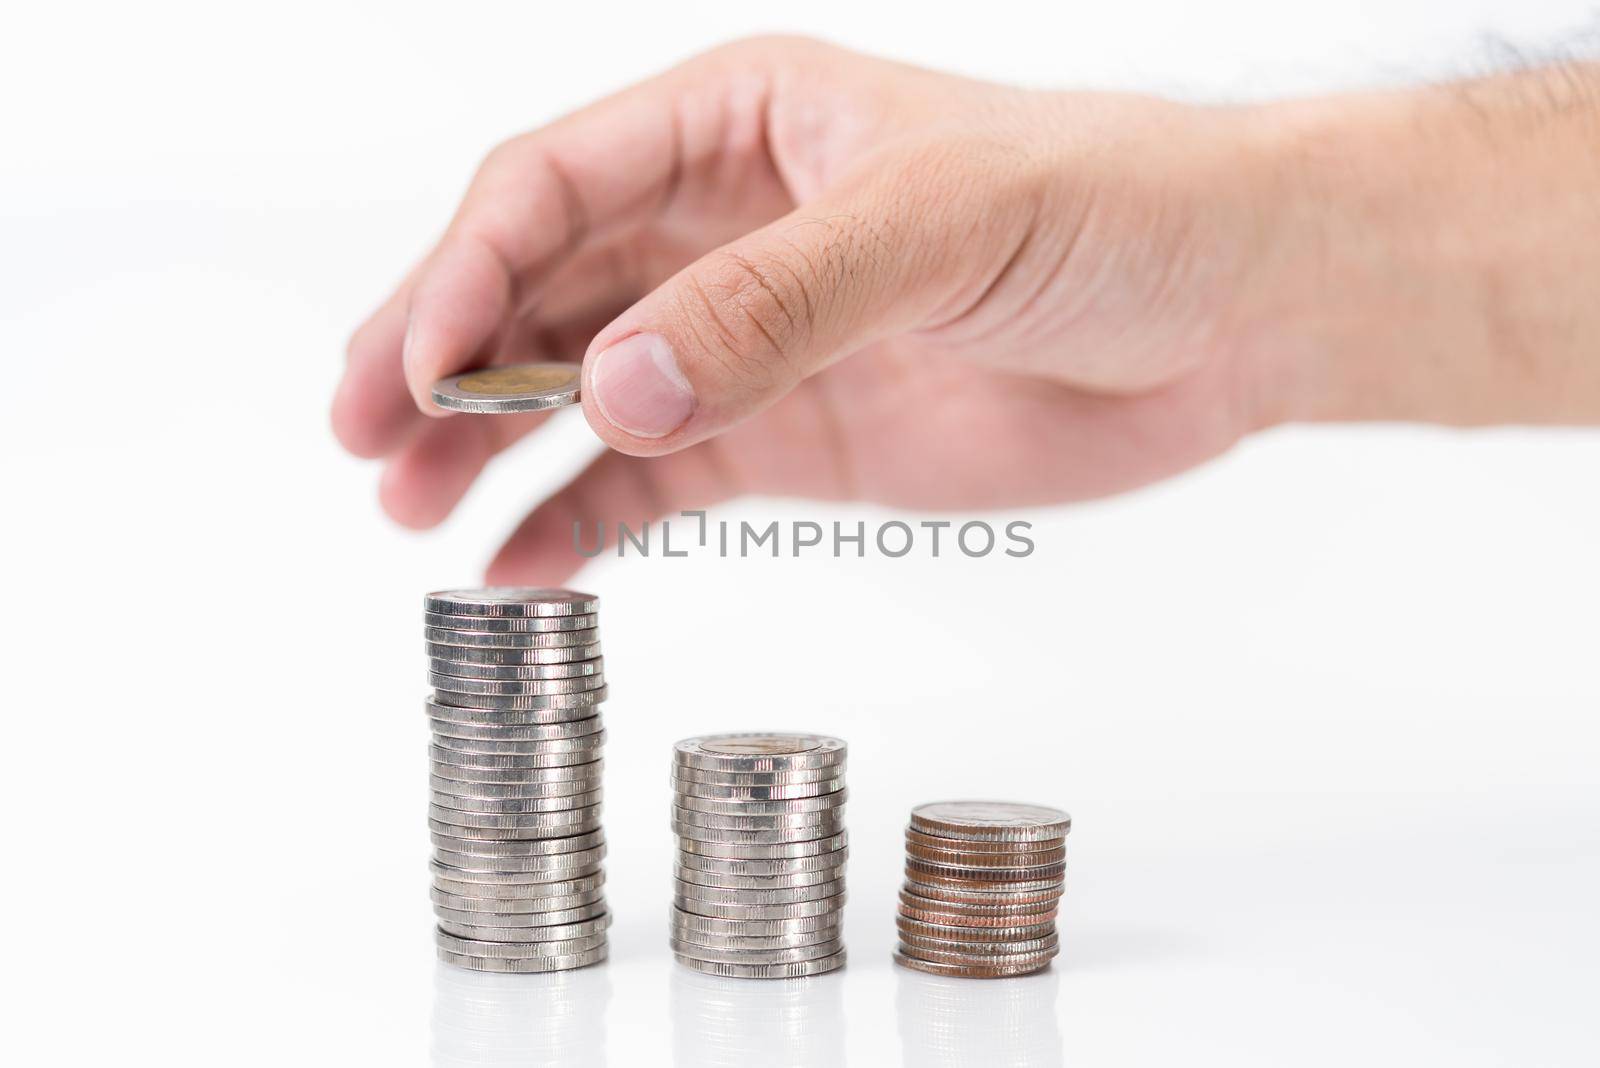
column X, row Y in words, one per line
column 517, row 387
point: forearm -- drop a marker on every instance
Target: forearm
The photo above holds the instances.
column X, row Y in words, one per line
column 1440, row 254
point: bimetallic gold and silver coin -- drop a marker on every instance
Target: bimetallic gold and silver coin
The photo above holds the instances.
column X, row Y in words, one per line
column 512, row 387
column 758, row 888
column 983, row 882
column 515, row 778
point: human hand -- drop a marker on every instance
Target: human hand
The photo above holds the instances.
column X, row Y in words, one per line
column 792, row 270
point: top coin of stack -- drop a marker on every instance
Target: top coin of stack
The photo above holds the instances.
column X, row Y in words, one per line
column 983, row 880
column 761, row 852
column 515, row 784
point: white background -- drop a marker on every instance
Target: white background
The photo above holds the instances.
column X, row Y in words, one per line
column 1324, row 711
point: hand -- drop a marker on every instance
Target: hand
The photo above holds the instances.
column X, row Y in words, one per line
column 791, row 270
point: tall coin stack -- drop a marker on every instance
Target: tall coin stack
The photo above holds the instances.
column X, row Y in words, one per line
column 759, row 883
column 983, row 882
column 515, row 783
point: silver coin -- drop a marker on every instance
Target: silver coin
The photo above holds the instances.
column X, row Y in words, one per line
column 516, row 747
column 774, row 895
column 525, row 940
column 471, row 777
column 991, row 821
column 513, row 834
column 986, row 970
column 831, row 820
column 495, row 791
column 788, row 910
column 511, row 601
column 514, row 687
column 819, row 862
column 921, row 944
column 510, row 387
column 499, row 717
column 503, row 870
column 509, row 776
column 525, row 951
column 439, row 754
column 549, row 664
column 533, row 732
column 718, row 792
column 759, row 751
column 916, row 839
column 514, row 905
column 482, row 641
column 736, row 943
column 682, row 773
column 531, row 942
column 756, row 882
column 741, row 850
column 587, row 818
column 787, row 955
column 797, row 806
column 707, row 926
column 498, row 935
column 516, row 805
column 557, row 661
column 513, row 895
column 928, row 886
column 534, row 847
column 782, row 836
column 467, row 861
column 509, row 624
column 522, row 702
column 984, row 960
column 534, row 922
column 766, row 971
column 524, row 965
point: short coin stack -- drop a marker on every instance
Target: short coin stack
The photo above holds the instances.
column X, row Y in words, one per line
column 759, row 882
column 983, row 881
column 515, row 783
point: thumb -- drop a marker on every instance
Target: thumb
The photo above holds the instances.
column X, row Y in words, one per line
column 739, row 328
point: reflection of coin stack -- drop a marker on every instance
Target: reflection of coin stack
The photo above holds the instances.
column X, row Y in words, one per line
column 718, row 1024
column 480, row 1018
column 515, row 813
column 946, row 1021
column 761, row 852
column 983, row 880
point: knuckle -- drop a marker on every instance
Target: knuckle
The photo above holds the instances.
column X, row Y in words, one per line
column 750, row 316
column 767, row 46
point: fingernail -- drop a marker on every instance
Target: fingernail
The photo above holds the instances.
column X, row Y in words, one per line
column 638, row 387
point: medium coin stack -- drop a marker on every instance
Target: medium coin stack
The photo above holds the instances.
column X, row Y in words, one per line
column 515, row 784
column 759, row 882
column 983, row 881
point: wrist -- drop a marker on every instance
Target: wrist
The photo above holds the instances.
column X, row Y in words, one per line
column 1432, row 256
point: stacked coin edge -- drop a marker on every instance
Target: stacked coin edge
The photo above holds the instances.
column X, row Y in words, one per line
column 760, row 871
column 982, row 889
column 515, row 779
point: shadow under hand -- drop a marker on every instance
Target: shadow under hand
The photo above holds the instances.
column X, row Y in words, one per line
column 484, row 1018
